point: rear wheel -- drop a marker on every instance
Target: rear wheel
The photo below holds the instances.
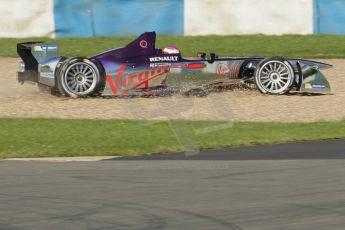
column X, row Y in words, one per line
column 79, row 77
column 274, row 76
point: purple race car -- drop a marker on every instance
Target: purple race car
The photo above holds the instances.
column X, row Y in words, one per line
column 140, row 68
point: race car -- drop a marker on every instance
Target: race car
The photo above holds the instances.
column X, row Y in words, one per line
column 140, row 68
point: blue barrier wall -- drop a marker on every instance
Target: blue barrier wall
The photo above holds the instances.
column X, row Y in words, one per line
column 117, row 17
column 329, row 17
column 86, row 18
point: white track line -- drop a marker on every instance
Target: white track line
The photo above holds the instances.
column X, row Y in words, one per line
column 63, row 159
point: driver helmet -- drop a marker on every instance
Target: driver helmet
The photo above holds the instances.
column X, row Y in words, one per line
column 171, row 50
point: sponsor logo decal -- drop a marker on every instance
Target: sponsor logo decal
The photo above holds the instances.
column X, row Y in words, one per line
column 52, row 48
column 318, row 86
column 37, row 48
column 143, row 44
column 45, row 48
column 223, row 69
column 177, row 65
column 160, row 64
column 194, row 66
column 164, row 58
column 122, row 79
column 314, row 86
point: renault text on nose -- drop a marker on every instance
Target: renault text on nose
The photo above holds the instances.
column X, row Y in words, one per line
column 165, row 58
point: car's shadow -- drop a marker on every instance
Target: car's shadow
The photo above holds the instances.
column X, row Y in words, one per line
column 307, row 94
column 245, row 88
column 203, row 92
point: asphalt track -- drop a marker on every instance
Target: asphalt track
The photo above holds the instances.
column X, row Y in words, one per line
column 290, row 186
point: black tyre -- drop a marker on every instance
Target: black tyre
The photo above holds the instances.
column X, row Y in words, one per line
column 274, row 76
column 79, row 77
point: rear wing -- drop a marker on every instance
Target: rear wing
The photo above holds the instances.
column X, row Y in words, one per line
column 36, row 50
column 24, row 52
column 32, row 54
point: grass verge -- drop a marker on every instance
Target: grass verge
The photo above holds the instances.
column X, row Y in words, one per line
column 59, row 137
column 308, row 46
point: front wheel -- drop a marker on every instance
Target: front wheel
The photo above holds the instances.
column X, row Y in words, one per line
column 79, row 77
column 274, row 76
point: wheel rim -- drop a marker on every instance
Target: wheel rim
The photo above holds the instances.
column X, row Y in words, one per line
column 275, row 76
column 80, row 78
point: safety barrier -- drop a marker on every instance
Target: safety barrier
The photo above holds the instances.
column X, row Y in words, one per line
column 86, row 18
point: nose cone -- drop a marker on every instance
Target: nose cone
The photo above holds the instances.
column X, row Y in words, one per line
column 316, row 64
